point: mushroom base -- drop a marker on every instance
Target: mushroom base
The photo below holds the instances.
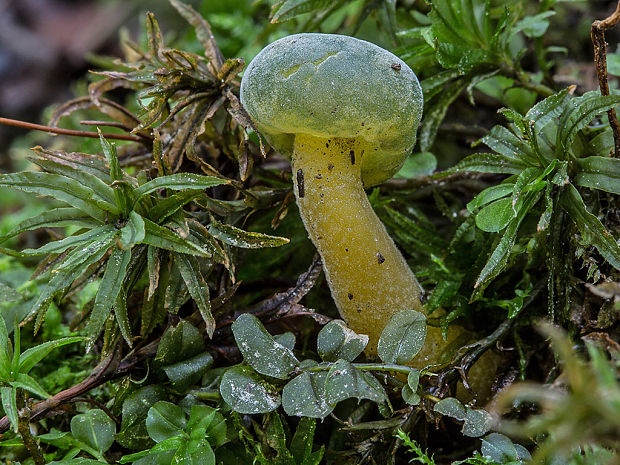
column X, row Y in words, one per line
column 369, row 279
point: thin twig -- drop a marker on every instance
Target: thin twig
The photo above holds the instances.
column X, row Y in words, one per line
column 68, row 132
column 112, row 124
column 597, row 34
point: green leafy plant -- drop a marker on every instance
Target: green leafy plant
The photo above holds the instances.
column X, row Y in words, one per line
column 470, row 42
column 203, row 347
column 311, row 389
column 15, row 366
column 546, row 155
column 181, row 439
column 125, row 220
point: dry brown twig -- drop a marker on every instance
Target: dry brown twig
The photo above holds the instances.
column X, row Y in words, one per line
column 597, row 34
column 68, row 132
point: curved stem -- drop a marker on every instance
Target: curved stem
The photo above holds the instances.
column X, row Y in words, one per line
column 369, row 279
column 389, row 367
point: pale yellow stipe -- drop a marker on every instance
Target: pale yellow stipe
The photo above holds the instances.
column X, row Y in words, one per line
column 369, row 278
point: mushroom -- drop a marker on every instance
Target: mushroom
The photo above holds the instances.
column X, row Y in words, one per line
column 346, row 112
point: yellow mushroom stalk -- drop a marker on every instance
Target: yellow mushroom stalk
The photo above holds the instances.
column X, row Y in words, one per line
column 367, row 275
column 346, row 112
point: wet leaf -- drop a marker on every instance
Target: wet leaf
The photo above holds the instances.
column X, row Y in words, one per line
column 94, row 428
column 500, row 255
column 164, row 238
column 515, row 149
column 477, row 422
column 260, row 350
column 580, row 112
column 304, row 396
column 489, row 195
column 8, row 395
column 109, row 288
column 30, row 357
column 337, row 341
column 590, row 227
column 61, row 245
column 286, row 339
column 247, row 392
column 133, row 434
column 179, row 181
column 599, row 173
column 489, row 163
column 500, row 448
column 57, row 217
column 302, row 443
column 179, row 343
column 345, row 381
column 81, row 259
column 83, row 162
column 167, row 207
column 495, row 216
column 550, row 108
column 197, row 287
column 408, row 391
column 189, row 371
column 133, row 232
column 403, row 337
column 165, row 420
column 451, row 407
column 245, row 239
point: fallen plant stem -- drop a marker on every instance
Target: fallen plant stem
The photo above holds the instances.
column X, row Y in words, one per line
column 68, row 132
column 108, row 369
column 597, row 34
column 390, row 367
column 112, row 124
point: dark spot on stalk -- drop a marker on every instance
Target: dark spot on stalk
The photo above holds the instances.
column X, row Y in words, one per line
column 352, row 156
column 318, row 176
column 346, row 249
column 350, row 296
column 380, row 258
column 300, row 183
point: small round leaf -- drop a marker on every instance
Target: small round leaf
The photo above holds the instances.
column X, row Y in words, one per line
column 260, row 350
column 247, row 392
column 304, row 396
column 477, row 423
column 164, row 421
column 403, row 337
column 451, row 407
column 94, row 428
column 337, row 341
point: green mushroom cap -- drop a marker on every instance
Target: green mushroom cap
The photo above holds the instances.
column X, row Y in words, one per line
column 329, row 86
